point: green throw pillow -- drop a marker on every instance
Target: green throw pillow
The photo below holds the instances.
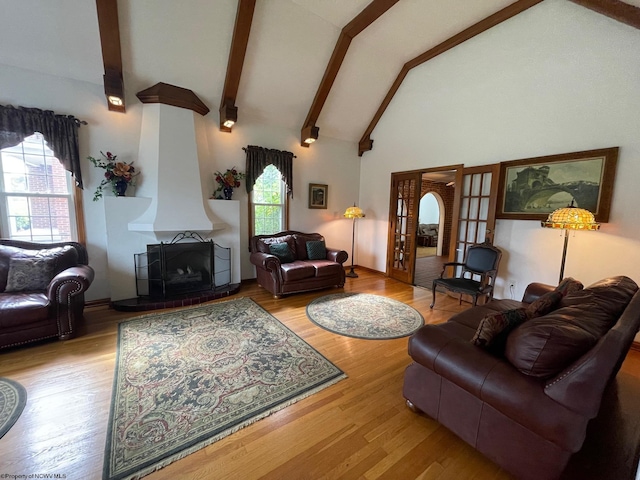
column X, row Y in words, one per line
column 282, row 251
column 316, row 250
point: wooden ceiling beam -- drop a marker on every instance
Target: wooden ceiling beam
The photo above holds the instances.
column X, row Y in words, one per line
column 366, row 143
column 111, row 54
column 241, row 31
column 365, row 18
column 620, row 11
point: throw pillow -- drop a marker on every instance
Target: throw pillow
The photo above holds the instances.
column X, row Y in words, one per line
column 316, row 250
column 494, row 328
column 569, row 285
column 282, row 251
column 28, row 274
column 545, row 304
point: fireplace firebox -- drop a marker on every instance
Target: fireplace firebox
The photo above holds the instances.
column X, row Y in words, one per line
column 186, row 265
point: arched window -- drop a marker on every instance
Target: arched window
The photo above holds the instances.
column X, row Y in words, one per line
column 269, row 203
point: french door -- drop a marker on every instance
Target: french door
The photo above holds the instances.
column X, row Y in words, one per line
column 473, row 216
column 403, row 220
column 474, row 209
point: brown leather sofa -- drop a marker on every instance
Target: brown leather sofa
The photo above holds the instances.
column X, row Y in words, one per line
column 41, row 290
column 526, row 407
column 293, row 271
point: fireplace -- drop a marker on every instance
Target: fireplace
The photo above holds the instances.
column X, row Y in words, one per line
column 187, row 265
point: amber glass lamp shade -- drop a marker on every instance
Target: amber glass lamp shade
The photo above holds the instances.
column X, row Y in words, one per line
column 570, row 218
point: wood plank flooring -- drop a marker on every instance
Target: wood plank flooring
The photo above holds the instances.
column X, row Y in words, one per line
column 358, row 428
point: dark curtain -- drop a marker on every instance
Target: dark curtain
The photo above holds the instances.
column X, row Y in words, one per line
column 59, row 131
column 258, row 158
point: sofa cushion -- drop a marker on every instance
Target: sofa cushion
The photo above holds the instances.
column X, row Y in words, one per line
column 29, row 274
column 297, row 270
column 326, row 268
column 493, row 329
column 262, row 245
column 544, row 346
column 17, row 309
column 316, row 250
column 282, row 251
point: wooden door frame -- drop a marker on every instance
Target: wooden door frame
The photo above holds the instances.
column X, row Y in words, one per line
column 454, row 226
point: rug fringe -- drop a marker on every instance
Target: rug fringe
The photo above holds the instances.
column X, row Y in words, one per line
column 205, row 443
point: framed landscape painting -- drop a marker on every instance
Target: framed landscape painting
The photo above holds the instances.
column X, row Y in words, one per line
column 532, row 188
column 318, row 195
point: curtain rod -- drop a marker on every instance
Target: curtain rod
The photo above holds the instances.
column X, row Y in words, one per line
column 283, row 151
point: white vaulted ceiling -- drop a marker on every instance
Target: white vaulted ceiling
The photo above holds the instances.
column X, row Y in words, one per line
column 187, row 43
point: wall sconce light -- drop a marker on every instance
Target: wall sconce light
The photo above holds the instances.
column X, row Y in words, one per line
column 570, row 218
column 309, row 135
column 114, row 90
column 228, row 116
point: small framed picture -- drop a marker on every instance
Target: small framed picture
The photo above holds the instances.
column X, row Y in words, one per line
column 318, row 195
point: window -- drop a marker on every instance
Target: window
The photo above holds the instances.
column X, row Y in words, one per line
column 36, row 193
column 269, row 203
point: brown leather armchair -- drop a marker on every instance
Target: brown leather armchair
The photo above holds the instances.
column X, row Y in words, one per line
column 42, row 289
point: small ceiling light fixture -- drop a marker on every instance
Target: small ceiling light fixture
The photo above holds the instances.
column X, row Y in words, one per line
column 114, row 91
column 228, row 116
column 113, row 100
column 353, row 212
column 309, row 135
column 570, row 218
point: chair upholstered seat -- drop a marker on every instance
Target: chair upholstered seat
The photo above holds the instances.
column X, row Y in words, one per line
column 475, row 276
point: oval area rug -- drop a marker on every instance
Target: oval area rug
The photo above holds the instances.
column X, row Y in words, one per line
column 363, row 315
column 13, row 398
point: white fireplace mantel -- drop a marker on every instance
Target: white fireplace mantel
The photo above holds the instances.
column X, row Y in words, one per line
column 124, row 241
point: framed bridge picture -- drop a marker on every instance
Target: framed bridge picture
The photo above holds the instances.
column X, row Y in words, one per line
column 532, row 188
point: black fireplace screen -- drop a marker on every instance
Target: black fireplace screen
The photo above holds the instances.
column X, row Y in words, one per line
column 172, row 269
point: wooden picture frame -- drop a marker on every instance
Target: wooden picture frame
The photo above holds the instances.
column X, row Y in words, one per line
column 318, row 195
column 532, row 188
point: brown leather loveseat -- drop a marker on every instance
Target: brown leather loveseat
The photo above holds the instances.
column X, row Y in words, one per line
column 290, row 261
column 41, row 290
column 525, row 399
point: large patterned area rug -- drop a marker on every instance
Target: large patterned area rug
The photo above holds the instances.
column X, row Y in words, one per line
column 363, row 315
column 13, row 398
column 184, row 379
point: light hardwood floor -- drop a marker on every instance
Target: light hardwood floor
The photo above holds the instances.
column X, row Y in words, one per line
column 358, row 428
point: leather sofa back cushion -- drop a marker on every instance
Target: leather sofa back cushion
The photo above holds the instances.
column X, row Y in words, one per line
column 544, row 346
column 61, row 257
column 263, row 244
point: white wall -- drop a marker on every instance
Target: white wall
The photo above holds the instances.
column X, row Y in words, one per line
column 557, row 78
column 328, row 161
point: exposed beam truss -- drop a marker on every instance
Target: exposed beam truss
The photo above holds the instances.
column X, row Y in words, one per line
column 111, row 54
column 366, row 143
column 241, row 31
column 365, row 18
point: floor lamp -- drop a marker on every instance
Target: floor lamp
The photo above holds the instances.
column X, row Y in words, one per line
column 570, row 218
column 353, row 212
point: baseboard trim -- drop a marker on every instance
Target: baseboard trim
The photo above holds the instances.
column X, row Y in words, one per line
column 100, row 302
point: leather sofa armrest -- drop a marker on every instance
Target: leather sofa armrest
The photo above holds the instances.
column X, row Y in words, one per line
column 69, row 283
column 338, row 256
column 536, row 290
column 265, row 261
